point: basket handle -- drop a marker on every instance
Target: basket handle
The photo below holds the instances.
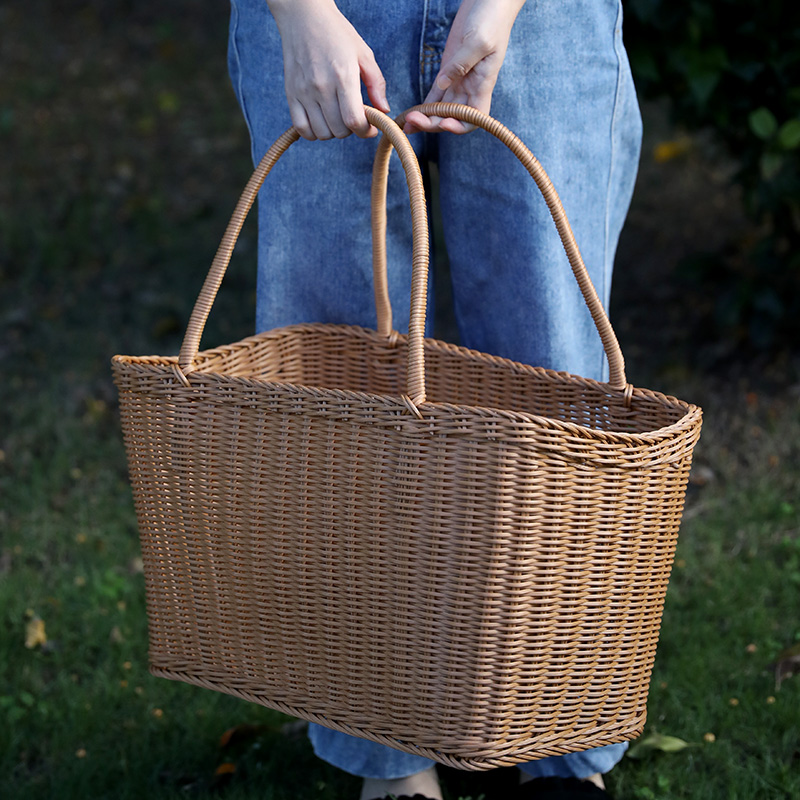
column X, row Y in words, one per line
column 472, row 116
column 420, row 253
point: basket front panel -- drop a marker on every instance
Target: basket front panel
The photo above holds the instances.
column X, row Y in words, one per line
column 468, row 596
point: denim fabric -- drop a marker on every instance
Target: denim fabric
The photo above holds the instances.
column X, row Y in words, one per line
column 565, row 88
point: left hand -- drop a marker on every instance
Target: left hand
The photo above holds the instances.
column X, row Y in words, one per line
column 473, row 55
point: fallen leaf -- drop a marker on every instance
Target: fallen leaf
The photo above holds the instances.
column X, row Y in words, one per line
column 223, row 775
column 240, row 733
column 34, row 633
column 656, row 742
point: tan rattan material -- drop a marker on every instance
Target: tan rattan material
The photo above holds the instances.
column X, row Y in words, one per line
column 448, row 552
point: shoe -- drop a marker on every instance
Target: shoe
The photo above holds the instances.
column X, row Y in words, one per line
column 555, row 788
column 406, row 797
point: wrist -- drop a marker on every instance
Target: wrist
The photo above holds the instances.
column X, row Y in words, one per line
column 503, row 6
column 285, row 6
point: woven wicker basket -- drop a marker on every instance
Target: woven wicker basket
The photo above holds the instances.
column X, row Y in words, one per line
column 451, row 553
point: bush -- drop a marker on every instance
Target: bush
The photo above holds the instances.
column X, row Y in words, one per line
column 733, row 67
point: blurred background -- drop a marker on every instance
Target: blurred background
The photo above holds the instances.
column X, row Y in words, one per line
column 123, row 153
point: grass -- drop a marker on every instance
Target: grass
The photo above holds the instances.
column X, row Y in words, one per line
column 129, row 153
column 81, row 717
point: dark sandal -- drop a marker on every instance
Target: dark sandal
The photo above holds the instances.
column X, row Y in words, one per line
column 559, row 789
column 406, row 797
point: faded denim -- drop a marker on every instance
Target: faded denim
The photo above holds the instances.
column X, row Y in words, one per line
column 565, row 88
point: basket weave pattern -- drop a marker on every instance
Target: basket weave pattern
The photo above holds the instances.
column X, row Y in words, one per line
column 475, row 574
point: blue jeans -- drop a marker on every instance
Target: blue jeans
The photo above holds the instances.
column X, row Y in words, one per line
column 565, row 88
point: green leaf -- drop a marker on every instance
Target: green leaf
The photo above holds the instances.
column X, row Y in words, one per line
column 763, row 123
column 770, row 164
column 704, row 68
column 789, row 135
column 656, row 742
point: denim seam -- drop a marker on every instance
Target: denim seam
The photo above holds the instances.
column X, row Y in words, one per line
column 611, row 165
column 235, row 50
column 423, row 28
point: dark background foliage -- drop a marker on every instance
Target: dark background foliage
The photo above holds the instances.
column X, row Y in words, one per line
column 733, row 66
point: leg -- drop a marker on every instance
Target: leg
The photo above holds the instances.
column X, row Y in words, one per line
column 315, row 255
column 566, row 90
column 584, row 766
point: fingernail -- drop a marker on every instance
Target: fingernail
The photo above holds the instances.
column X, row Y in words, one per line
column 443, row 82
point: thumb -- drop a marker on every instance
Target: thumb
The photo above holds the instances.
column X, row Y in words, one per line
column 458, row 65
column 373, row 79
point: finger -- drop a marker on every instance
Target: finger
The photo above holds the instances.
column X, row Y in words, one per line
column 319, row 125
column 416, row 121
column 457, row 126
column 300, row 120
column 433, row 124
column 419, row 122
column 456, row 94
column 374, row 81
column 334, row 119
column 351, row 109
column 460, row 64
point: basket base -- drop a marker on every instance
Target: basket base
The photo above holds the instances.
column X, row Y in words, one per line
column 498, row 757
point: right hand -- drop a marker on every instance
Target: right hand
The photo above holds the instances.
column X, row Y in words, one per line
column 324, row 62
column 473, row 55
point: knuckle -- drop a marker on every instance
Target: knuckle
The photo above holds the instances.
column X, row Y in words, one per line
column 354, row 122
column 478, row 40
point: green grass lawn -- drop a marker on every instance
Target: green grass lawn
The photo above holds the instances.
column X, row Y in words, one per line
column 81, row 717
column 128, row 155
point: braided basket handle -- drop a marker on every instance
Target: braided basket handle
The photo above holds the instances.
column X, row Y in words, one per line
column 420, row 252
column 470, row 115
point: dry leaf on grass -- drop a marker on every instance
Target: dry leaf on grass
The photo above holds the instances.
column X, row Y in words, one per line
column 240, row 733
column 656, row 742
column 35, row 635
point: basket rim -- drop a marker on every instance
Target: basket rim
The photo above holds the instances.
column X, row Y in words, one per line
column 691, row 418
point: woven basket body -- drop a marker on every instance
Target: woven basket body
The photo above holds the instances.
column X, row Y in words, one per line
column 478, row 578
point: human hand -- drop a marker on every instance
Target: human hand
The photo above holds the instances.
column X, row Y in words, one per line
column 324, row 62
column 473, row 55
